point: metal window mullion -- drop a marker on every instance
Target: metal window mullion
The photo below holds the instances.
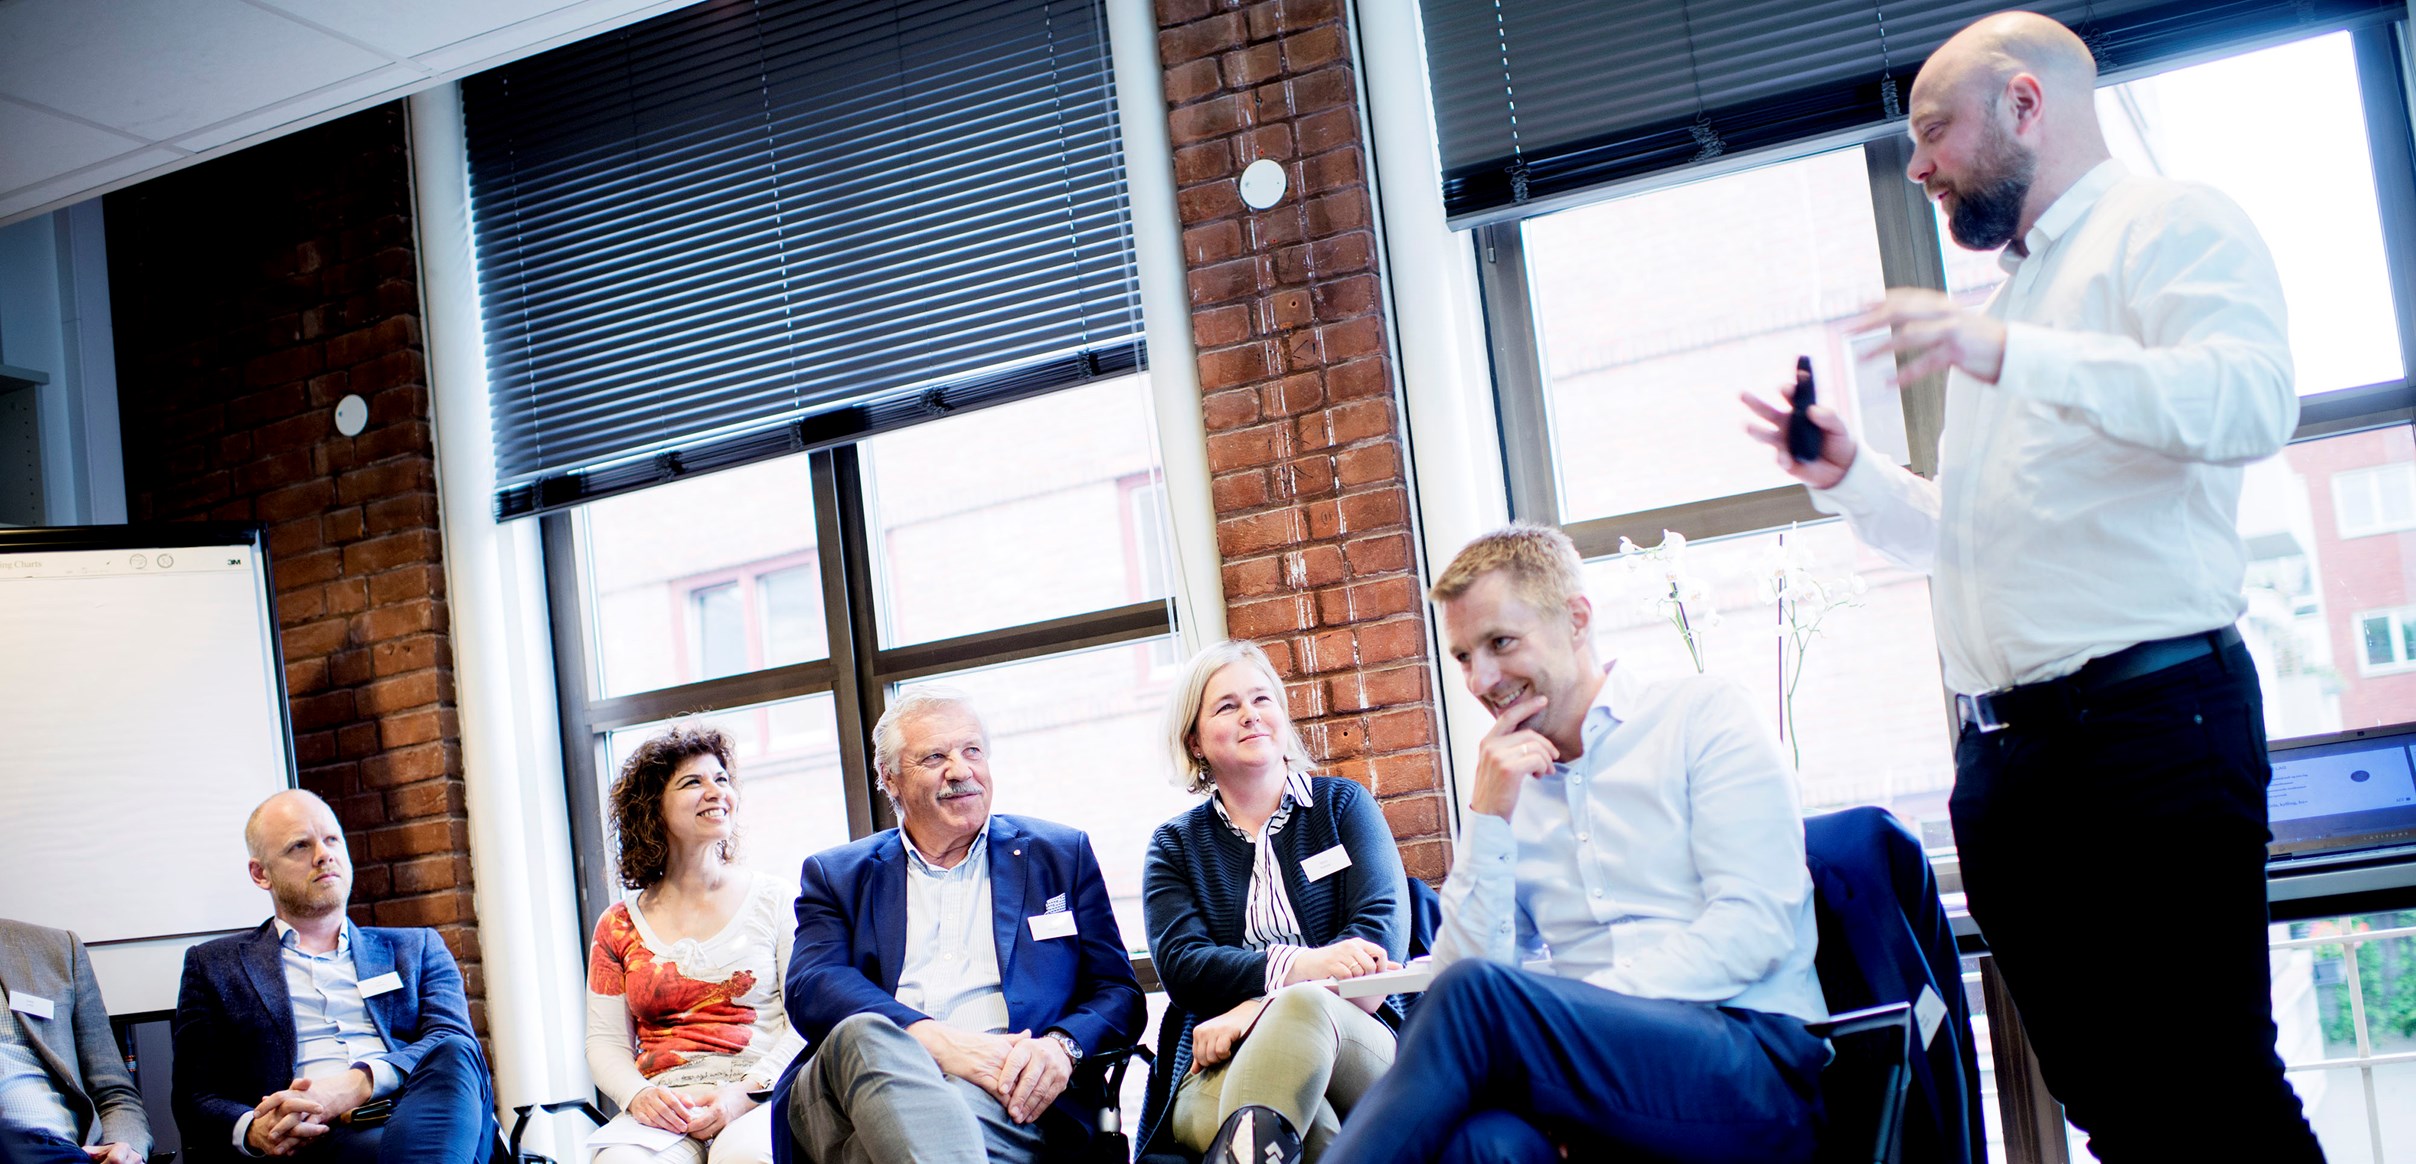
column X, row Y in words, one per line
column 747, row 687
column 582, row 743
column 840, row 541
column 1514, row 341
column 1718, row 517
column 2382, row 75
column 1033, row 640
column 1909, row 256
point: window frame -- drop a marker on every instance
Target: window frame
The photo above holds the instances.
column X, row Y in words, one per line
column 2366, row 479
column 2402, row 622
column 858, row 672
column 1911, row 256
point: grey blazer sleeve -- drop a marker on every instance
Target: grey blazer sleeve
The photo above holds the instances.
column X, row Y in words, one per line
column 118, row 1106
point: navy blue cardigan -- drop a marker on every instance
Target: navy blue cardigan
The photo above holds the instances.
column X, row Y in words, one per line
column 1194, row 891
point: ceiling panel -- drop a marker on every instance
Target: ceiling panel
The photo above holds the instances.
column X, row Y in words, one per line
column 42, row 146
column 184, row 80
column 343, row 93
column 158, row 68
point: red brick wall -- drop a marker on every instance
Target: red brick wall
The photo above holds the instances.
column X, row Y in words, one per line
column 1304, row 424
column 250, row 294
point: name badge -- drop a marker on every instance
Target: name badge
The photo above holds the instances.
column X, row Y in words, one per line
column 1325, row 864
column 31, row 1004
column 385, row 983
column 1046, row 926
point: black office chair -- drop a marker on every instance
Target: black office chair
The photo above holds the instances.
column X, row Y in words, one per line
column 508, row 1151
column 1864, row 1086
column 1102, row 1075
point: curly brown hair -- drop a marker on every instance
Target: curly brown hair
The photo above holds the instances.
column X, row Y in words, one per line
column 637, row 798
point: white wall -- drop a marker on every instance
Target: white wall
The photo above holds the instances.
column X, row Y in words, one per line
column 54, row 320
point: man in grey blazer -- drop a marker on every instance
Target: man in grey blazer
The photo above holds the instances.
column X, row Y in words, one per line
column 63, row 1084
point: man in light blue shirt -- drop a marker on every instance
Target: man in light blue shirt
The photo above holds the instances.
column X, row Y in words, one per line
column 290, row 1039
column 1642, row 842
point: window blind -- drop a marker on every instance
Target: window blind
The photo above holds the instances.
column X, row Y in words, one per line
column 746, row 228
column 1541, row 99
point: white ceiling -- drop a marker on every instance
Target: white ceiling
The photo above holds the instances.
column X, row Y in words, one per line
column 98, row 94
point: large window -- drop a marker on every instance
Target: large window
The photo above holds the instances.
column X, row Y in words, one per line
column 1624, row 328
column 1016, row 552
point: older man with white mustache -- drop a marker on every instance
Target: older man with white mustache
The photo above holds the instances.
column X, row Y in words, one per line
column 952, row 971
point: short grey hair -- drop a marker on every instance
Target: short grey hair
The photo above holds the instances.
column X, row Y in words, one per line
column 1191, row 773
column 889, row 734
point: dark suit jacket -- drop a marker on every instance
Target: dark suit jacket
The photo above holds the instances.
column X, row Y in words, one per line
column 851, row 942
column 1884, row 937
column 1196, row 888
column 234, row 1027
column 75, row 1042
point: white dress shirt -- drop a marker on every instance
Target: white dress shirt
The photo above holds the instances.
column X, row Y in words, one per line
column 333, row 1032
column 29, row 1097
column 1666, row 862
column 951, row 970
column 1268, row 920
column 2088, row 500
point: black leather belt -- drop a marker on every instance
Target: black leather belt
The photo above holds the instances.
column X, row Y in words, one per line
column 1996, row 710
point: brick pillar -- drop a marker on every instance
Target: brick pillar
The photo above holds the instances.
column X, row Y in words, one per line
column 249, row 295
column 1304, row 424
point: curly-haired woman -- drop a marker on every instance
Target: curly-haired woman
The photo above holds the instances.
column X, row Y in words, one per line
column 685, row 1028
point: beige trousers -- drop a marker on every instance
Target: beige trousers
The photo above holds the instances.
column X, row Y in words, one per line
column 1311, row 1056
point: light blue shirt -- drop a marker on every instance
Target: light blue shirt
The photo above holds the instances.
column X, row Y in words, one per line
column 1666, row 862
column 951, row 970
column 333, row 1032
column 28, row 1096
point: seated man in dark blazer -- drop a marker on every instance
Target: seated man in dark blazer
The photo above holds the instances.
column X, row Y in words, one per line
column 949, row 973
column 64, row 1090
column 283, row 1032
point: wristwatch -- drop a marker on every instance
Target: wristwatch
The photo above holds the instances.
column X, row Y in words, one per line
column 1073, row 1050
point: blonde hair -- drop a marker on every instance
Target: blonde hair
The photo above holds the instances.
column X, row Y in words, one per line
column 1539, row 562
column 1183, row 712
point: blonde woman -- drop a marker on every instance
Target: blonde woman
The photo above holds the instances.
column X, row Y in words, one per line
column 1276, row 880
column 685, row 1027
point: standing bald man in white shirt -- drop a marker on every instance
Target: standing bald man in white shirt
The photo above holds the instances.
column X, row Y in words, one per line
column 2087, row 566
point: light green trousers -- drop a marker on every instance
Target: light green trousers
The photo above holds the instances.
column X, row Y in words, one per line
column 1311, row 1056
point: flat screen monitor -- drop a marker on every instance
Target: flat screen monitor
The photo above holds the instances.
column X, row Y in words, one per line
column 2352, row 791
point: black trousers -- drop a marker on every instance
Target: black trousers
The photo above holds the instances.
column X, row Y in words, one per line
column 2113, row 847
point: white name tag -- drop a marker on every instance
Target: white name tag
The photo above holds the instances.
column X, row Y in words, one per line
column 385, row 983
column 1324, row 864
column 31, row 1004
column 1051, row 925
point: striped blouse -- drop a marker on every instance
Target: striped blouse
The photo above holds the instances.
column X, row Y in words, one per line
column 1268, row 922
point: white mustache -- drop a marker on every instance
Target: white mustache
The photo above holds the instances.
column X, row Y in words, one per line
column 959, row 788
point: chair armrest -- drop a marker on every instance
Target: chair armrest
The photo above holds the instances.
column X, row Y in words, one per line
column 522, row 1112
column 1869, row 1018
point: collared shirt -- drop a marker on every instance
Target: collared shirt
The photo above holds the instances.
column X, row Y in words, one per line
column 1268, row 922
column 1666, row 862
column 2088, row 500
column 333, row 1032
column 29, row 1097
column 951, row 970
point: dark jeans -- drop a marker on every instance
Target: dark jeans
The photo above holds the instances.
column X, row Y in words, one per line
column 20, row 1145
column 2114, row 851
column 443, row 1114
column 1496, row 1063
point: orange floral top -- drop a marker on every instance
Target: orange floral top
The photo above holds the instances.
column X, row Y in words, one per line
column 690, row 1012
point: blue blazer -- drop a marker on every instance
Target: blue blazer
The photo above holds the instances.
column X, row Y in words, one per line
column 851, row 944
column 234, row 1027
column 1884, row 937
